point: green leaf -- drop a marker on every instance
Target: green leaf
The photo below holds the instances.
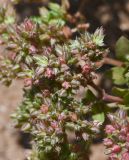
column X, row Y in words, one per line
column 117, row 75
column 9, row 20
column 126, row 98
column 119, row 91
column 41, row 60
column 99, row 117
column 98, row 37
column 122, row 48
column 54, row 6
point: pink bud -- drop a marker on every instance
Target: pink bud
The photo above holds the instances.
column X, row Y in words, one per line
column 27, row 82
column 113, row 156
column 62, row 60
column 28, row 25
column 86, row 69
column 54, row 125
column 122, row 137
column 44, row 108
column 73, row 117
column 58, row 131
column 46, row 93
column 127, row 145
column 32, row 49
column 47, row 51
column 116, row 149
column 124, row 130
column 109, row 129
column 108, row 142
column 49, row 73
column 125, row 156
column 66, row 85
column 127, row 138
column 61, row 117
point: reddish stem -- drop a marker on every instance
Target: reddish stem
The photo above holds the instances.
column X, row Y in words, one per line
column 110, row 98
column 104, row 96
column 110, row 61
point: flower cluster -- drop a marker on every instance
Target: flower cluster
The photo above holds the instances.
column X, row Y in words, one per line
column 117, row 141
column 57, row 59
column 55, row 67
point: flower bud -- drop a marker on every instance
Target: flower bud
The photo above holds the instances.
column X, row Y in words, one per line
column 46, row 93
column 122, row 138
column 127, row 138
column 54, row 124
column 49, row 73
column 113, row 156
column 73, row 117
column 127, row 145
column 86, row 69
column 116, row 149
column 66, row 85
column 62, row 60
column 109, row 129
column 32, row 49
column 28, row 25
column 61, row 117
column 124, row 130
column 108, row 142
column 67, row 32
column 125, row 156
column 27, row 82
column 44, row 108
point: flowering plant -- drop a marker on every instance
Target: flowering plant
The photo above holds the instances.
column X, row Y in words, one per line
column 59, row 66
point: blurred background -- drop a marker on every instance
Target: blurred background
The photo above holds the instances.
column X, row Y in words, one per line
column 113, row 15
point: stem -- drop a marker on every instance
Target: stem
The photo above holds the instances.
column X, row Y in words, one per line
column 81, row 8
column 109, row 61
column 104, row 96
column 110, row 98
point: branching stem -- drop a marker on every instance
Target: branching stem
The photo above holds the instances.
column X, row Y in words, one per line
column 109, row 61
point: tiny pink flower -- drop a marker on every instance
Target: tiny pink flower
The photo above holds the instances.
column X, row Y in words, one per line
column 125, row 156
column 127, row 138
column 124, row 130
column 32, row 49
column 27, row 82
column 122, row 138
column 44, row 108
column 66, row 85
column 127, row 145
column 108, row 142
column 86, row 69
column 54, row 125
column 46, row 93
column 113, row 156
column 49, row 73
column 61, row 117
column 109, row 129
column 116, row 149
column 62, row 60
column 28, row 25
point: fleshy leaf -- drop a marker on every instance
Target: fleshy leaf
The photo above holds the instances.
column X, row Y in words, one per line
column 117, row 75
column 99, row 117
column 122, row 48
